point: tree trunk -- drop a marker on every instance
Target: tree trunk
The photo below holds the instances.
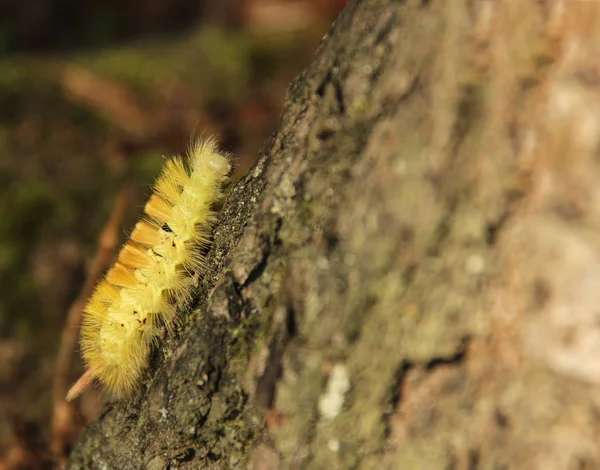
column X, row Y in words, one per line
column 409, row 276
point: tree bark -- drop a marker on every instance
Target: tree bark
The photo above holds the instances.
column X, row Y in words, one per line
column 409, row 276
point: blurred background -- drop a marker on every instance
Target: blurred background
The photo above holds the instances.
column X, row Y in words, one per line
column 92, row 94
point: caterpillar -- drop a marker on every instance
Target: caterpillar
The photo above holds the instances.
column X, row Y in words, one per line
column 153, row 274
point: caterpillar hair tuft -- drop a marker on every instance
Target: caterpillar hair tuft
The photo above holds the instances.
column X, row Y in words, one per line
column 153, row 275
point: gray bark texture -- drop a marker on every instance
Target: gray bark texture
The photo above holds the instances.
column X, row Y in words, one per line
column 410, row 275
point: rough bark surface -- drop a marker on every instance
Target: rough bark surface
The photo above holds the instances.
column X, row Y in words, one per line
column 409, row 276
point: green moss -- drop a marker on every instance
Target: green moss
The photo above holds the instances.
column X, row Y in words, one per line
column 211, row 60
column 140, row 66
column 223, row 59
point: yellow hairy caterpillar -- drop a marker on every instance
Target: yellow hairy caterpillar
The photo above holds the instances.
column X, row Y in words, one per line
column 153, row 274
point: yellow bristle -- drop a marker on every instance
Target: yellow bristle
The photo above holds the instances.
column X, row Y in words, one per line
column 107, row 293
column 134, row 255
column 180, row 293
column 96, row 313
column 158, row 209
column 172, row 180
column 146, row 233
column 145, row 298
column 175, row 171
column 121, row 275
column 122, row 374
column 167, row 317
column 167, row 248
column 194, row 262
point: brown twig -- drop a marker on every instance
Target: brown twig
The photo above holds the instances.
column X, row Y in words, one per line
column 64, row 414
